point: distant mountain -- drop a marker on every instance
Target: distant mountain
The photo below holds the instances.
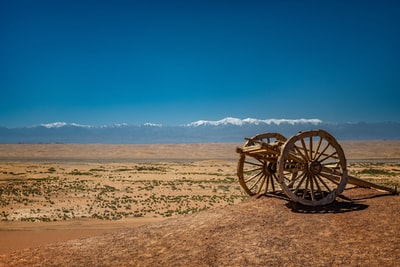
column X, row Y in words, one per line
column 248, row 121
column 202, row 131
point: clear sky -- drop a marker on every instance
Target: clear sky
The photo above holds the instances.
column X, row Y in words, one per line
column 174, row 62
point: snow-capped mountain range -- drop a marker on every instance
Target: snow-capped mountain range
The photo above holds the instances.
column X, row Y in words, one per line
column 202, row 131
column 225, row 121
column 240, row 122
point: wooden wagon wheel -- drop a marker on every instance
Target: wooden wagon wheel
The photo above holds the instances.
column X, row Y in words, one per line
column 257, row 172
column 312, row 168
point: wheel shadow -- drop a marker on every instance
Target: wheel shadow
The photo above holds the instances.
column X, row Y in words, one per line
column 334, row 207
column 338, row 206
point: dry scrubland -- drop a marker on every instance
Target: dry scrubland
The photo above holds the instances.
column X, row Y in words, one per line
column 56, row 188
column 32, row 191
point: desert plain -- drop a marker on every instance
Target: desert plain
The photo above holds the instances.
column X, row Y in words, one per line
column 52, row 193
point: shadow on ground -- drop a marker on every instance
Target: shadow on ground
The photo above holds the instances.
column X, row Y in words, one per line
column 341, row 205
column 334, row 207
column 337, row 206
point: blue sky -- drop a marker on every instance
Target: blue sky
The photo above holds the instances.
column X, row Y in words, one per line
column 174, row 62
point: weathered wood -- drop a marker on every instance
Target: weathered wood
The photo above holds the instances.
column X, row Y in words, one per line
column 305, row 173
column 310, row 167
column 363, row 183
column 256, row 168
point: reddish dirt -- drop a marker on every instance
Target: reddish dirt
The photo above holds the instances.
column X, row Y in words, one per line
column 362, row 229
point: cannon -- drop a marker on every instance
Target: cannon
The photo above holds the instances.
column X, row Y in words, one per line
column 309, row 167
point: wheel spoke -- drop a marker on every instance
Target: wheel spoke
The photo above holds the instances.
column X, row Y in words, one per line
column 332, row 155
column 253, row 177
column 273, row 179
column 311, row 187
column 318, row 186
column 256, row 183
column 334, row 179
column 261, row 187
column 267, row 184
column 317, row 149
column 322, row 181
column 306, row 187
column 334, row 171
column 292, row 181
column 254, row 163
column 332, row 166
column 323, row 151
column 300, row 153
column 253, row 170
column 300, row 183
column 305, row 149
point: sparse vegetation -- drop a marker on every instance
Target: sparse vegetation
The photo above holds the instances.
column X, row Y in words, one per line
column 110, row 192
column 115, row 193
column 373, row 171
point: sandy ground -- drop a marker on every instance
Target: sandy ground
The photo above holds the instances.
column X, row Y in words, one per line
column 64, row 192
column 187, row 176
column 378, row 149
column 117, row 153
column 265, row 231
column 20, row 235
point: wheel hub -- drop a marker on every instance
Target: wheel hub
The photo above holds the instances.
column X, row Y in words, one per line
column 315, row 167
column 270, row 168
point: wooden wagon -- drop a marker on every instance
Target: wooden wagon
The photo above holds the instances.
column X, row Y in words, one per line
column 310, row 167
